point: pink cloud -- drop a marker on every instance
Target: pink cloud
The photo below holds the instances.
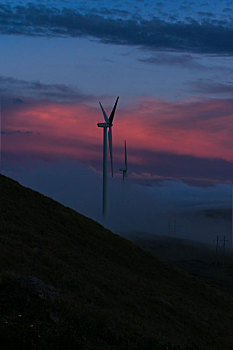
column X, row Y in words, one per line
column 197, row 128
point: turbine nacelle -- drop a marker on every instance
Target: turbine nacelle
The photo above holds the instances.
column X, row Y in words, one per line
column 125, row 170
column 103, row 125
column 124, row 173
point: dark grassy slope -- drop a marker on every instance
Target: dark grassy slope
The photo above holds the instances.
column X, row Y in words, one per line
column 113, row 295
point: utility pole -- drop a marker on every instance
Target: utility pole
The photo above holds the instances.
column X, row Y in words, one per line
column 224, row 248
column 216, row 251
column 169, row 226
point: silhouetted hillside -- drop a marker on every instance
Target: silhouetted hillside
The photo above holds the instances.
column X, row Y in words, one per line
column 91, row 289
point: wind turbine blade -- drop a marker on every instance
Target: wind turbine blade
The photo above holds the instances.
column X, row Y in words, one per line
column 113, row 111
column 126, row 165
column 105, row 115
column 110, row 146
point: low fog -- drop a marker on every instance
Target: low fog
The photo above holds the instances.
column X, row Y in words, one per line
column 166, row 208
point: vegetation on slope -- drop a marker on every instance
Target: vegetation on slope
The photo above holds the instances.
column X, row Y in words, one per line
column 111, row 293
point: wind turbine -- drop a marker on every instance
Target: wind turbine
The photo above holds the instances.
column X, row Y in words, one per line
column 107, row 125
column 125, row 169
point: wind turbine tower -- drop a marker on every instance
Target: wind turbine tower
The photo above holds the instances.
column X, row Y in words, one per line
column 125, row 169
column 107, row 125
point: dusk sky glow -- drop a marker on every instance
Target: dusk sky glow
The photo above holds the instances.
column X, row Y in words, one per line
column 69, row 130
column 170, row 62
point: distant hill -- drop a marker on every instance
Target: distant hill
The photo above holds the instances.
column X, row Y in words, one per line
column 225, row 214
column 200, row 259
column 68, row 283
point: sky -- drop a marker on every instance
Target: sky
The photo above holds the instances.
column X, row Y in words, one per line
column 171, row 64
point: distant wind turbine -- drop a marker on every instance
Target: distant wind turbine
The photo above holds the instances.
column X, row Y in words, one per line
column 108, row 124
column 125, row 169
